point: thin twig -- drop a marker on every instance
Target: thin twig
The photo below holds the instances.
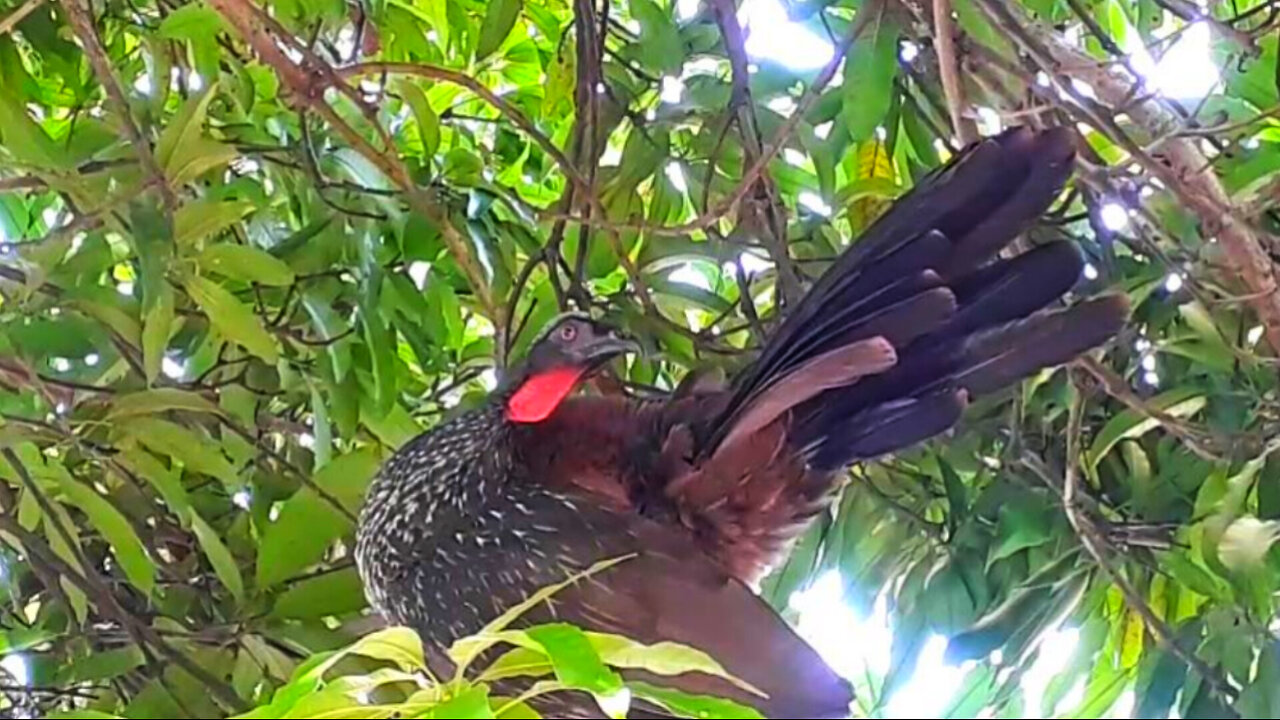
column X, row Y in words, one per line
column 91, row 585
column 514, row 114
column 303, row 476
column 1118, row 389
column 949, row 69
column 306, row 84
column 1190, row 12
column 772, row 213
column 770, row 150
column 81, row 20
column 1096, row 544
column 12, row 19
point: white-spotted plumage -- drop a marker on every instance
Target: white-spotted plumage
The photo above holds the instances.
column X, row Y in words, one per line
column 453, row 531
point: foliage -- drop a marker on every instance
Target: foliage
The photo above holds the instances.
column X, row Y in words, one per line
column 247, row 255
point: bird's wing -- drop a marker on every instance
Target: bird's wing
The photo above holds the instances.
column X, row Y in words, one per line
column 926, row 279
column 666, row 590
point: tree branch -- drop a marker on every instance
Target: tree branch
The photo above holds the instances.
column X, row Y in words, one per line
column 1177, row 161
column 774, row 212
column 12, row 19
column 944, row 34
column 306, row 84
column 82, row 23
column 768, row 152
column 1095, row 543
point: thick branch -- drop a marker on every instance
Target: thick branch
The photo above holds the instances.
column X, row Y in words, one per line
column 1175, row 160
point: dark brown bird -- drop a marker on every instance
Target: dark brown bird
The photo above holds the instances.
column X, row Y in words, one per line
column 709, row 488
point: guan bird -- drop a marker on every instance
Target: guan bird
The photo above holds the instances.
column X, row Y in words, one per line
column 703, row 491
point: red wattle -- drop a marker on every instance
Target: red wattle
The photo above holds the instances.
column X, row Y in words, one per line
column 541, row 394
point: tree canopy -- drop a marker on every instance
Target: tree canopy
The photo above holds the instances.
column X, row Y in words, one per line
column 249, row 249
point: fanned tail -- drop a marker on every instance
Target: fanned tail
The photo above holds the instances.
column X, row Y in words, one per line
column 925, row 280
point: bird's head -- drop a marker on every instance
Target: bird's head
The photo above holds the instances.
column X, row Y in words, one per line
column 568, row 350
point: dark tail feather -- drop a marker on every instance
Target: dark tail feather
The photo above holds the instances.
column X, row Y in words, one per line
column 889, row 427
column 1012, row 289
column 1007, row 354
column 1052, row 157
column 923, row 278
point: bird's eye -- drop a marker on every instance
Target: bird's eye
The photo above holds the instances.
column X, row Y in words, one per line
column 568, row 333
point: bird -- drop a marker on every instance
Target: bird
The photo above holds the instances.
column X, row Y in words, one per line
column 703, row 490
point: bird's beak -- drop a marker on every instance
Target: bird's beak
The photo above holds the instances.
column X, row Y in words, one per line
column 607, row 347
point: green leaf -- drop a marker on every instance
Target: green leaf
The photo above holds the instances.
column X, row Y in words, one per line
column 199, row 220
column 182, row 151
column 24, row 138
column 1023, row 607
column 500, row 17
column 192, row 20
column 660, row 41
column 149, row 402
column 23, row 638
column 428, row 120
column 472, row 702
column 246, row 675
column 116, row 530
column 1156, row 695
column 401, row 646
column 1262, row 698
column 441, row 296
column 946, row 600
column 664, row 658
column 398, row 645
column 308, row 523
column 331, row 327
column 193, row 451
column 1023, row 524
column 465, row 650
column 156, row 329
column 233, row 319
column 1192, row 575
column 956, row 493
column 166, row 482
column 574, row 659
column 380, row 341
column 323, row 446
column 247, row 263
column 1179, row 402
column 332, row 593
column 869, row 72
column 517, row 662
column 104, row 665
column 223, row 562
column 695, row 706
column 975, row 23
column 909, row 637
